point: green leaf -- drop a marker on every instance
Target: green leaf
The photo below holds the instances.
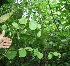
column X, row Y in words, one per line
column 50, row 56
column 39, row 34
column 15, row 25
column 36, row 50
column 39, row 55
column 59, row 55
column 4, row 27
column 28, row 49
column 23, row 20
column 5, row 17
column 39, row 26
column 32, row 25
column 11, row 54
column 55, row 53
column 22, row 52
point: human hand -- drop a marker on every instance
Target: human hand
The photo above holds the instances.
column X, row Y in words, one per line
column 5, row 42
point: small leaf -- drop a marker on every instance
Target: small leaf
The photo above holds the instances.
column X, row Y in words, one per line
column 23, row 20
column 28, row 49
column 55, row 53
column 11, row 54
column 59, row 55
column 32, row 25
column 22, row 52
column 15, row 25
column 50, row 56
column 4, row 27
column 39, row 26
column 39, row 55
column 39, row 34
column 36, row 50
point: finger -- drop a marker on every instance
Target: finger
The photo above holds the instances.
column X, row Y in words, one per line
column 3, row 33
column 6, row 41
column 6, row 46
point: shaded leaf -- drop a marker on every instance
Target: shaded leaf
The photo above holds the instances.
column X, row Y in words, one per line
column 11, row 54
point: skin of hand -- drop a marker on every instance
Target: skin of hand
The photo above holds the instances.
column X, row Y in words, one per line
column 5, row 42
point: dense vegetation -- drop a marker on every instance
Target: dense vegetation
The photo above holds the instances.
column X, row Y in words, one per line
column 40, row 31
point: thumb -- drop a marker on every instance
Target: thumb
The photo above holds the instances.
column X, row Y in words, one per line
column 3, row 33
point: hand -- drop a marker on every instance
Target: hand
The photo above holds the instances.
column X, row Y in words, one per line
column 5, row 41
column 2, row 35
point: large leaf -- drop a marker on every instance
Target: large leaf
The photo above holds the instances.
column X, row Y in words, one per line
column 22, row 52
column 33, row 25
column 11, row 54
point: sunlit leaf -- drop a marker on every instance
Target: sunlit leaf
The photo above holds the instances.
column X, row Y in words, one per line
column 39, row 55
column 29, row 49
column 55, row 53
column 39, row 34
column 23, row 20
column 39, row 26
column 4, row 27
column 22, row 52
column 15, row 25
column 33, row 25
column 50, row 56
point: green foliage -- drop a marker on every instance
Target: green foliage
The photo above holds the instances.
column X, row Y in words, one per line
column 28, row 49
column 32, row 25
column 10, row 54
column 15, row 25
column 4, row 27
column 23, row 20
column 50, row 56
column 40, row 32
column 57, row 54
column 37, row 53
column 22, row 52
